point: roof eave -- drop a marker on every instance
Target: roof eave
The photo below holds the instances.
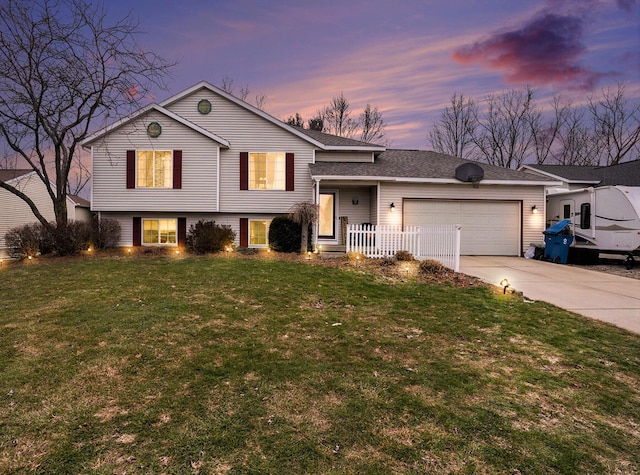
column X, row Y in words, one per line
column 132, row 117
column 448, row 181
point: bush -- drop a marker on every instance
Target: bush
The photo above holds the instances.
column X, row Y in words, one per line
column 67, row 240
column 105, row 232
column 207, row 236
column 285, row 234
column 431, row 268
column 34, row 239
column 24, row 241
column 404, row 256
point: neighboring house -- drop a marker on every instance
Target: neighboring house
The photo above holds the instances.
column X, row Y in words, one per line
column 15, row 212
column 205, row 154
column 574, row 177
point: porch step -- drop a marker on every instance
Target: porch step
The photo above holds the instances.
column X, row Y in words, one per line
column 333, row 250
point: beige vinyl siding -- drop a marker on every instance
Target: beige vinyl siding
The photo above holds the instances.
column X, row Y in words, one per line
column 199, row 169
column 248, row 132
column 232, row 220
column 366, row 157
column 532, row 224
column 15, row 212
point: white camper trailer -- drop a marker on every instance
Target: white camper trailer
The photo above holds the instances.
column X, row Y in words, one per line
column 604, row 219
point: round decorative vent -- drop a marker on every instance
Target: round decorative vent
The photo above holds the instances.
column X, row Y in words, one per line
column 154, row 129
column 204, row 106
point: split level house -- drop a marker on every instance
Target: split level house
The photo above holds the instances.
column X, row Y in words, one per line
column 15, row 212
column 204, row 154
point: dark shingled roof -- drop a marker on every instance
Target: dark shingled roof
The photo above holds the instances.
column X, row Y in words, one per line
column 334, row 140
column 6, row 175
column 416, row 164
column 627, row 173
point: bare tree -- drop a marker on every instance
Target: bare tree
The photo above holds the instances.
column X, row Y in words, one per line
column 296, row 120
column 372, row 125
column 575, row 143
column 504, row 137
column 545, row 133
column 317, row 123
column 305, row 213
column 261, row 101
column 616, row 124
column 63, row 68
column 337, row 118
column 454, row 131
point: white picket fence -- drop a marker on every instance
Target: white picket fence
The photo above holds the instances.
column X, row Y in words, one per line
column 438, row 242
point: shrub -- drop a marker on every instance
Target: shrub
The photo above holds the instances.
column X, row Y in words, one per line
column 404, row 256
column 207, row 236
column 431, row 268
column 24, row 241
column 105, row 232
column 285, row 234
column 67, row 240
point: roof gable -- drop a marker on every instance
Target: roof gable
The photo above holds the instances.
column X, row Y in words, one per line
column 318, row 139
column 8, row 175
column 144, row 111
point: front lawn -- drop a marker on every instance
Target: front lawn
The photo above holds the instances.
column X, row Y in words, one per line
column 243, row 365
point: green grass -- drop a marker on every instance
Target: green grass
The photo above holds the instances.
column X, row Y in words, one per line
column 237, row 365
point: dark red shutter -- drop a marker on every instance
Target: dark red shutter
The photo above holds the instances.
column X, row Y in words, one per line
column 137, row 231
column 290, row 172
column 244, row 170
column 177, row 169
column 131, row 168
column 244, row 232
column 182, row 231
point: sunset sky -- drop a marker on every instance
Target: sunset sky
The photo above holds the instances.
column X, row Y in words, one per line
column 407, row 57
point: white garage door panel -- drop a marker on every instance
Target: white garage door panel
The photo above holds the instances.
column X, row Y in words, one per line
column 489, row 228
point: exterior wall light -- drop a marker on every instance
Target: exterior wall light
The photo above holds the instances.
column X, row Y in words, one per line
column 534, row 209
column 392, row 207
column 354, row 200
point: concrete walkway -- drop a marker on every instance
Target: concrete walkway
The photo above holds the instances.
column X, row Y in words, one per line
column 605, row 297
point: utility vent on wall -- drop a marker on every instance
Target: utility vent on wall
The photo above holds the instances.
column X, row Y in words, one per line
column 470, row 173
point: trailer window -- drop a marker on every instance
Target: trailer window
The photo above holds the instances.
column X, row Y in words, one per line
column 585, row 215
column 566, row 211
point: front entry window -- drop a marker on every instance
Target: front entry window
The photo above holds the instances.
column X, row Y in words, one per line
column 327, row 221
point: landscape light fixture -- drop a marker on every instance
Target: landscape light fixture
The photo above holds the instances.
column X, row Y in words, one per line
column 504, row 283
column 392, row 207
column 534, row 209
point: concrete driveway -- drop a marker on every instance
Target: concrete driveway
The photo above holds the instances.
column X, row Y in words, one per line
column 605, row 297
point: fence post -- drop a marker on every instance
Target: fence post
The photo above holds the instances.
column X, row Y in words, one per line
column 457, row 250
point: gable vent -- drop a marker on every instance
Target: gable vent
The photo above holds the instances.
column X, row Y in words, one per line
column 469, row 173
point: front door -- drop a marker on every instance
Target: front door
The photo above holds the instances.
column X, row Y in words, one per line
column 327, row 218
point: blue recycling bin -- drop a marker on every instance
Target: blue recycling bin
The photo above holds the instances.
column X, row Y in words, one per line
column 557, row 240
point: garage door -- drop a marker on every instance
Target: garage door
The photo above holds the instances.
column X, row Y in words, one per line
column 489, row 228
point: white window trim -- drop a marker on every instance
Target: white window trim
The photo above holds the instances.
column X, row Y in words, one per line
column 141, row 187
column 259, row 246
column 158, row 244
column 284, row 171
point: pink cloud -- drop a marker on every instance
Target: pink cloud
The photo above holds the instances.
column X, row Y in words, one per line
column 546, row 50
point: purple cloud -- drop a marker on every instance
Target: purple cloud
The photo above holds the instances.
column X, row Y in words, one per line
column 546, row 50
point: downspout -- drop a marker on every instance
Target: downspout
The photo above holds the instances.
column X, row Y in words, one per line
column 316, row 201
column 378, row 204
column 218, row 179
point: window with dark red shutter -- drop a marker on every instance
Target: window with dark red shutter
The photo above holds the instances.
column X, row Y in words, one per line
column 131, row 168
column 182, row 231
column 244, row 232
column 290, row 172
column 244, row 170
column 177, row 169
column 137, row 231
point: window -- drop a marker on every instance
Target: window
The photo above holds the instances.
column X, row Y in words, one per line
column 259, row 233
column 159, row 231
column 155, row 169
column 585, row 215
column 267, row 171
